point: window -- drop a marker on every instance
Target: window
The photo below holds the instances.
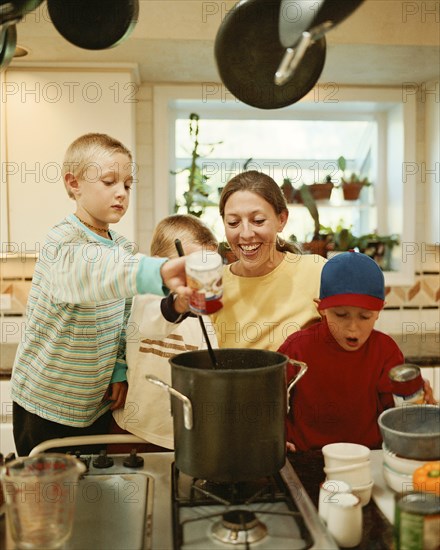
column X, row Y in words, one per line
column 305, row 151
column 372, row 128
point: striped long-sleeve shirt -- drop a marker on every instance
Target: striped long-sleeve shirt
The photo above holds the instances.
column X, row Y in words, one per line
column 77, row 311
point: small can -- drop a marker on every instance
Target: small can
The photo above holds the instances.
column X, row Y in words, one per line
column 417, row 522
column 407, row 384
column 204, row 272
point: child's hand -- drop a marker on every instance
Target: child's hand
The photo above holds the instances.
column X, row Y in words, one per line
column 181, row 300
column 290, row 447
column 117, row 392
column 429, row 396
column 173, row 274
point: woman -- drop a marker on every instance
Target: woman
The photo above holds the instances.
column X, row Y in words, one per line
column 269, row 290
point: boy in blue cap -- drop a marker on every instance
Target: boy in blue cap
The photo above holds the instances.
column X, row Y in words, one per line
column 347, row 385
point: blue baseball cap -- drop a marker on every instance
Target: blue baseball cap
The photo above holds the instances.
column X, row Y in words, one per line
column 352, row 279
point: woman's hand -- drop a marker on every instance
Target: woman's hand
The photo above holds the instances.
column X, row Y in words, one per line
column 290, row 447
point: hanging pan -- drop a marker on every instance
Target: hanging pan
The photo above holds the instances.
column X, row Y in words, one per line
column 94, row 24
column 314, row 16
column 248, row 53
column 303, row 22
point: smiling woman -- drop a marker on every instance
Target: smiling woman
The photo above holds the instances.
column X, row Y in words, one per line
column 269, row 290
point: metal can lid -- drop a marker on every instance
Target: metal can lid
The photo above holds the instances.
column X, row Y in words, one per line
column 419, row 503
column 204, row 260
column 404, row 373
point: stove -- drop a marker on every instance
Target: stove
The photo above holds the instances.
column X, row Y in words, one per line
column 142, row 502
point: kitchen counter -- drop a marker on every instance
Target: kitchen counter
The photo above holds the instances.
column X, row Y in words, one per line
column 377, row 530
column 421, row 349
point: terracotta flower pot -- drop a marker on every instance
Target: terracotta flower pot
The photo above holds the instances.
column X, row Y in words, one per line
column 316, row 247
column 319, row 191
column 351, row 191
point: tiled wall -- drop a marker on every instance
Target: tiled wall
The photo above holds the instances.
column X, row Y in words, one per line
column 415, row 306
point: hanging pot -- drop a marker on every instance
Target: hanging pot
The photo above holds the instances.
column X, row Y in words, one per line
column 229, row 423
column 13, row 11
column 94, row 24
column 8, row 42
column 248, row 53
column 10, row 14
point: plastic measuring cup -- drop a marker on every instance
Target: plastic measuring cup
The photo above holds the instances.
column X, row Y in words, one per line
column 40, row 493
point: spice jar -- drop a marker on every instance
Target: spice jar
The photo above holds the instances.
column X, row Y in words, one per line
column 407, row 384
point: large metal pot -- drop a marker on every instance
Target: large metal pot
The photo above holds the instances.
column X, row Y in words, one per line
column 229, row 422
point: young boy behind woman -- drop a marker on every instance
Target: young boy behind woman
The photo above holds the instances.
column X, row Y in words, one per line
column 70, row 369
column 154, row 340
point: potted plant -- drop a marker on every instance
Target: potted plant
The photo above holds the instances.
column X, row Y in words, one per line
column 318, row 191
column 341, row 239
column 196, row 197
column 322, row 190
column 379, row 247
column 319, row 242
column 352, row 186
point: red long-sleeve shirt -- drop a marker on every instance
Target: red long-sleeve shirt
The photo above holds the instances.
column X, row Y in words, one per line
column 343, row 392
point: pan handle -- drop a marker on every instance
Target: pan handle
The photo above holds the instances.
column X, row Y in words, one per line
column 187, row 406
column 291, row 59
column 302, row 370
column 293, row 56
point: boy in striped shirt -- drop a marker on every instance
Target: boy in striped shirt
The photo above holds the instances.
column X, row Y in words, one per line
column 70, row 368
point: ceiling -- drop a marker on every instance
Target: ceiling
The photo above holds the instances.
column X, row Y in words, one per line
column 384, row 42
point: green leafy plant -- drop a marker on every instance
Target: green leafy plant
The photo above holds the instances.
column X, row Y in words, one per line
column 196, row 197
column 388, row 240
column 379, row 247
column 341, row 238
column 354, row 178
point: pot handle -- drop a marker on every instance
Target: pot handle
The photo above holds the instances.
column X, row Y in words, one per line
column 302, row 370
column 187, row 406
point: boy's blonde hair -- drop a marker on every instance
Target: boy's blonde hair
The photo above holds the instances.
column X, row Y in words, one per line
column 85, row 150
column 186, row 228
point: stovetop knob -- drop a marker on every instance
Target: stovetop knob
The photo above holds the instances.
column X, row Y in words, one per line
column 103, row 461
column 133, row 460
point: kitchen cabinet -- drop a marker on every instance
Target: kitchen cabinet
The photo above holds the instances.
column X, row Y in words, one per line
column 44, row 110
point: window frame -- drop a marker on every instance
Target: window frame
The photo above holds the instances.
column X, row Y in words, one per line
column 209, row 101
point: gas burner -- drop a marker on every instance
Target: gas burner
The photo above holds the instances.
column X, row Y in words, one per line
column 239, row 527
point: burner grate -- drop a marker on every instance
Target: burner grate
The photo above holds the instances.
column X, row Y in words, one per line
column 201, row 506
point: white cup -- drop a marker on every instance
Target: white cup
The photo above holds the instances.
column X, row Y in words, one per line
column 329, row 492
column 344, row 520
column 337, row 455
column 354, row 474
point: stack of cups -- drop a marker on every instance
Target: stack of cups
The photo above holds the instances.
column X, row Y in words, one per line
column 347, row 488
column 350, row 462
